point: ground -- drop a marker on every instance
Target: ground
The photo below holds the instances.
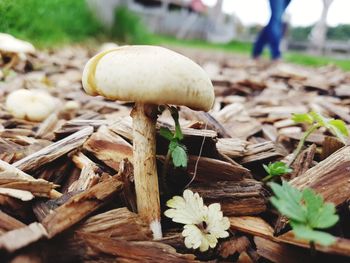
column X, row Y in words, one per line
column 81, row 150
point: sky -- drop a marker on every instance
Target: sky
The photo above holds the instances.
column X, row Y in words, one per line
column 302, row 12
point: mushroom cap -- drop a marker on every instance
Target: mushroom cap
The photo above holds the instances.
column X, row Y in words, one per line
column 11, row 44
column 148, row 74
column 32, row 105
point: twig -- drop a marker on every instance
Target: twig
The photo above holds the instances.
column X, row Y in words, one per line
column 302, row 142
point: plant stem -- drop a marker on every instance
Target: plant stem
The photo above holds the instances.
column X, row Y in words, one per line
column 267, row 178
column 312, row 249
column 302, row 142
column 164, row 172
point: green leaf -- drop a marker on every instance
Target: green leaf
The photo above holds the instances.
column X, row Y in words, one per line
column 166, row 133
column 179, row 156
column 277, row 168
column 338, row 128
column 302, row 118
column 317, row 117
column 320, row 215
column 327, row 217
column 173, row 144
column 287, row 200
column 313, row 204
column 306, row 211
column 340, row 125
column 176, row 149
column 306, row 233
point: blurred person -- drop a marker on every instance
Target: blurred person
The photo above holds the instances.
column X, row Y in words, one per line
column 197, row 6
column 272, row 33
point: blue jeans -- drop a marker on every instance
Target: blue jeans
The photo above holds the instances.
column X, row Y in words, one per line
column 272, row 32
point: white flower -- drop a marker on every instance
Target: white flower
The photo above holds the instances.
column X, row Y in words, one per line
column 188, row 209
column 203, row 225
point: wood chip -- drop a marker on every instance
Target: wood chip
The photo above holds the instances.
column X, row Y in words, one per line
column 232, row 147
column 21, row 237
column 246, row 197
column 19, row 194
column 258, row 227
column 89, row 173
column 209, row 170
column 262, row 151
column 133, row 251
column 80, row 206
column 117, row 223
column 8, row 223
column 53, row 151
column 330, row 178
column 108, row 147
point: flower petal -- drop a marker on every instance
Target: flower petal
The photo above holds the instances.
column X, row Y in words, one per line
column 216, row 222
column 176, row 202
column 204, row 245
column 193, row 236
column 188, row 209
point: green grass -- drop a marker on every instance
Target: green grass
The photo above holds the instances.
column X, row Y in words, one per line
column 233, row 46
column 129, row 28
column 48, row 22
column 245, row 49
column 315, row 61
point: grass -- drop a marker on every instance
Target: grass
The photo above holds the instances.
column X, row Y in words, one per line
column 233, row 46
column 129, row 28
column 48, row 22
column 245, row 49
column 315, row 61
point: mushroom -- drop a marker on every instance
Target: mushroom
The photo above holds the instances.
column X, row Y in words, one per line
column 14, row 48
column 149, row 76
column 33, row 105
column 107, row 46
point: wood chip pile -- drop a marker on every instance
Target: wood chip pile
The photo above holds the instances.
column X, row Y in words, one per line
column 66, row 184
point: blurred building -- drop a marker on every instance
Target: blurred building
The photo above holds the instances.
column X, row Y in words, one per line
column 181, row 18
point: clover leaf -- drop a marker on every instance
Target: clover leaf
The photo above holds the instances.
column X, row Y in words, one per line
column 307, row 212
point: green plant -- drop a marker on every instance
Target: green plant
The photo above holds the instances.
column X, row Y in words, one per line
column 129, row 28
column 336, row 127
column 46, row 23
column 176, row 150
column 276, row 169
column 306, row 212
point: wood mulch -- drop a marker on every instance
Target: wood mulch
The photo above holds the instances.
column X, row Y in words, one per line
column 66, row 184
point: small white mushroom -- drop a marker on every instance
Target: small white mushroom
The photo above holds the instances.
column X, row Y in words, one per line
column 107, row 46
column 71, row 105
column 33, row 105
column 14, row 47
column 148, row 76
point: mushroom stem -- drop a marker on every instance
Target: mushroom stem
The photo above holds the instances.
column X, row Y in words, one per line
column 145, row 168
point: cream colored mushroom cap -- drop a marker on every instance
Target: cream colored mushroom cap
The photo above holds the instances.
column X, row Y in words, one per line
column 32, row 105
column 11, row 44
column 148, row 74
